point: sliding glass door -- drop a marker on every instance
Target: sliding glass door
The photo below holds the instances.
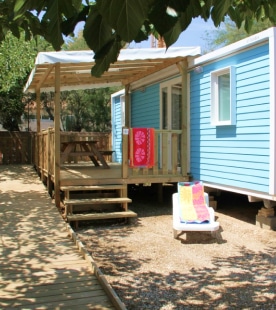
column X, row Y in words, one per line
column 171, row 113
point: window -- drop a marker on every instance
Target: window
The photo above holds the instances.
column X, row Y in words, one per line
column 223, row 97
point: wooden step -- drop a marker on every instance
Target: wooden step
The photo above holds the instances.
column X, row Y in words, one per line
column 100, row 216
column 73, row 188
column 97, row 201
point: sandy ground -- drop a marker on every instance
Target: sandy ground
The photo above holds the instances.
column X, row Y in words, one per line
column 150, row 270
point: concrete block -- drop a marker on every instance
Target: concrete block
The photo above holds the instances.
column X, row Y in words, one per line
column 266, row 222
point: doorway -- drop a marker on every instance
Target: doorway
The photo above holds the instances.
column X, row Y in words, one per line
column 171, row 113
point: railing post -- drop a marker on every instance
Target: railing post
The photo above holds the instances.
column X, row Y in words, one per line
column 49, row 181
column 125, row 137
column 57, row 135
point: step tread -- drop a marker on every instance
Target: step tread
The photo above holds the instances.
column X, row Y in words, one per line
column 97, row 200
column 92, row 187
column 100, row 216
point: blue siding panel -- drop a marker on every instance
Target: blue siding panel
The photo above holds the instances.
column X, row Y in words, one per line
column 145, row 107
column 236, row 156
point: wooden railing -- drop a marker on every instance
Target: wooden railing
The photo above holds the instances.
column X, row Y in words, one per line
column 16, row 147
column 167, row 148
column 168, row 155
column 44, row 146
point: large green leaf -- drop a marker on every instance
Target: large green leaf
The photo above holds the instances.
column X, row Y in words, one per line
column 68, row 25
column 219, row 10
column 102, row 63
column 124, row 16
column 53, row 17
column 21, row 6
column 205, row 9
column 141, row 36
column 179, row 5
column 248, row 23
column 51, row 22
column 171, row 36
column 185, row 19
column 159, row 17
column 53, row 13
column 235, row 16
column 270, row 11
column 102, row 32
column 146, row 30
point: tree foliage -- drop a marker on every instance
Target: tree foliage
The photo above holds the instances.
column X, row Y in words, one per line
column 11, row 109
column 87, row 110
column 228, row 33
column 16, row 61
column 76, row 43
column 110, row 24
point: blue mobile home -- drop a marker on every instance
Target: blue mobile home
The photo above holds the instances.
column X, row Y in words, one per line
column 232, row 117
column 228, row 104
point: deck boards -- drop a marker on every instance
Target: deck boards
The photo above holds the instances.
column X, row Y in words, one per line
column 85, row 173
column 40, row 267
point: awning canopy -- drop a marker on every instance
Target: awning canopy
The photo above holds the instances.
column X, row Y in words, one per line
column 75, row 67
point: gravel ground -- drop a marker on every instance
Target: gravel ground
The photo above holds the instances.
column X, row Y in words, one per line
column 149, row 269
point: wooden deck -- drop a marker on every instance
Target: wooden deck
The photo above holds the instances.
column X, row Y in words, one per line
column 41, row 267
column 85, row 173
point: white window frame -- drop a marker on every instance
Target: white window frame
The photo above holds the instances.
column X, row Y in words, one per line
column 215, row 121
column 123, row 110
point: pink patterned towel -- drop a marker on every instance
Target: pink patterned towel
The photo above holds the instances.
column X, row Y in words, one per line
column 141, row 147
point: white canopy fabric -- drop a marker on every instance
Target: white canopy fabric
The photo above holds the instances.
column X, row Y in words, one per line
column 75, row 67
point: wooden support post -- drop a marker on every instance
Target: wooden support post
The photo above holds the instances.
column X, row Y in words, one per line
column 182, row 66
column 49, row 181
column 57, row 136
column 37, row 150
column 125, row 137
column 125, row 134
column 160, row 192
column 38, row 107
column 127, row 105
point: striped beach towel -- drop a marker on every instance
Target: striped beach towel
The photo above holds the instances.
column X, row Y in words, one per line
column 193, row 208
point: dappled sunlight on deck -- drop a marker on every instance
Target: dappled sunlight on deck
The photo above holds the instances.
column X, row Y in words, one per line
column 40, row 267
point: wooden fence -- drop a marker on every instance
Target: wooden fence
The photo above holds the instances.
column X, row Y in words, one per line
column 16, row 147
column 25, row 148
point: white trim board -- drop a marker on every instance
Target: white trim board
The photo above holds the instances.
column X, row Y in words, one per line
column 233, row 48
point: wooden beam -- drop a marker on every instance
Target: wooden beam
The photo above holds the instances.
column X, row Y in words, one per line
column 44, row 77
column 57, row 135
column 182, row 66
column 167, row 63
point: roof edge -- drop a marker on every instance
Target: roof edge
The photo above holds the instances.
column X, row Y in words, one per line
column 234, row 47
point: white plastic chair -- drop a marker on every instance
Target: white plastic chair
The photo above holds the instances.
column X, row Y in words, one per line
column 179, row 227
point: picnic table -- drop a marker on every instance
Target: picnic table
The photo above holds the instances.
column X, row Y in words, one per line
column 83, row 148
